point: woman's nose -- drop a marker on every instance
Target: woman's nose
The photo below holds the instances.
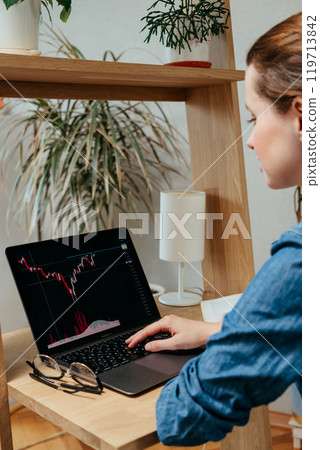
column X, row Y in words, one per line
column 250, row 141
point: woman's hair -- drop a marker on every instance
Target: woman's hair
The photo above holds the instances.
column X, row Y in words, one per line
column 277, row 57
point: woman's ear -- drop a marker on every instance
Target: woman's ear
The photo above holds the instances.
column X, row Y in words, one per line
column 297, row 110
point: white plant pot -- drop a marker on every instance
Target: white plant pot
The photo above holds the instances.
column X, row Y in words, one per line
column 203, row 54
column 199, row 53
column 19, row 28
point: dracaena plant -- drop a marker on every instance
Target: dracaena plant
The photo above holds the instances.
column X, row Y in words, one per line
column 47, row 4
column 176, row 24
column 103, row 156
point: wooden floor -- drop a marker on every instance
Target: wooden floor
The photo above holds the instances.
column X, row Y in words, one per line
column 28, row 428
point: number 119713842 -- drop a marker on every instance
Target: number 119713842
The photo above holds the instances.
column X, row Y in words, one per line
column 311, row 48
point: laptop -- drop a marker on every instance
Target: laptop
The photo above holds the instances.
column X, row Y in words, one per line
column 83, row 296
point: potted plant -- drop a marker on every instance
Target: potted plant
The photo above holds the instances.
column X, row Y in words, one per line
column 102, row 156
column 19, row 24
column 187, row 28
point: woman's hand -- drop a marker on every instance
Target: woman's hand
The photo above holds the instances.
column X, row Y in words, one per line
column 185, row 334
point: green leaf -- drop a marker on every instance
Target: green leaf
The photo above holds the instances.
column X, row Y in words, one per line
column 91, row 130
column 64, row 15
column 66, row 10
column 45, row 4
column 9, row 3
column 95, row 165
column 65, row 3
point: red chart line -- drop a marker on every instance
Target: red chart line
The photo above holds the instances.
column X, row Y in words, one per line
column 58, row 275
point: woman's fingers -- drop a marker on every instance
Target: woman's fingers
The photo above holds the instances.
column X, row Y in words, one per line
column 185, row 334
column 149, row 330
column 163, row 344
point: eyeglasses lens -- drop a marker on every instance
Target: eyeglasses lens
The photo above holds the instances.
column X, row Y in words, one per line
column 47, row 366
column 83, row 374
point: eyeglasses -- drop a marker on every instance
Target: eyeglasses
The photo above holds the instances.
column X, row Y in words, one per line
column 47, row 371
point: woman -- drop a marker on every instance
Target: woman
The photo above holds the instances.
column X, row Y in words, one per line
column 257, row 353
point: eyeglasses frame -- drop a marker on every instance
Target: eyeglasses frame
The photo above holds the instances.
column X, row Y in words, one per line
column 38, row 376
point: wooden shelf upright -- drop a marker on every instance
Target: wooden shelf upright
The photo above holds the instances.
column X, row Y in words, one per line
column 216, row 150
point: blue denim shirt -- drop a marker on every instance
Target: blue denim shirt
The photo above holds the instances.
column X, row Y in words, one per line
column 250, row 362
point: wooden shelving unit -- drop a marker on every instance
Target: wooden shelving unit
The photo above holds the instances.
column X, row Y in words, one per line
column 34, row 77
column 216, row 150
column 213, row 124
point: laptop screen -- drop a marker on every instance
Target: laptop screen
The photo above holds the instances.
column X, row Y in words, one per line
column 76, row 289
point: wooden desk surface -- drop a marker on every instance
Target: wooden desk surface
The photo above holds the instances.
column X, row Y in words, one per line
column 109, row 421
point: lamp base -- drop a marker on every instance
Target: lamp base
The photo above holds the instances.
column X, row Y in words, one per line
column 187, row 299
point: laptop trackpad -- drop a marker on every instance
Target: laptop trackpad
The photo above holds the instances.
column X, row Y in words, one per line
column 168, row 363
column 145, row 373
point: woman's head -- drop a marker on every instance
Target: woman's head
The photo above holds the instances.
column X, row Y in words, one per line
column 273, row 96
column 277, row 57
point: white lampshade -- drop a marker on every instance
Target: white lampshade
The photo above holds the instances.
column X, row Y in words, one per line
column 182, row 234
column 182, row 230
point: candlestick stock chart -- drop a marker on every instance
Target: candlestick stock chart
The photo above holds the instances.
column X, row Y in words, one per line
column 59, row 284
column 60, row 278
column 71, row 294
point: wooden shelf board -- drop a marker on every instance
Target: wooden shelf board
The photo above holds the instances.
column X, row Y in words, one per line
column 86, row 72
column 90, row 91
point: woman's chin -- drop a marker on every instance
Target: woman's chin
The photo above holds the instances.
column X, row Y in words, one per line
column 271, row 182
column 277, row 184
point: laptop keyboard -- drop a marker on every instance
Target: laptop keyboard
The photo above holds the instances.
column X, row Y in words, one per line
column 109, row 354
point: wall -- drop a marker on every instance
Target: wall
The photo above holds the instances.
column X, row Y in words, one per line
column 115, row 25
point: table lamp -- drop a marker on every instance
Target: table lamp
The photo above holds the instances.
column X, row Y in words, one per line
column 181, row 238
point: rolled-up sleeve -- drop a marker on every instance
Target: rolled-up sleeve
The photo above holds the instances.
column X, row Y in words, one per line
column 254, row 358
